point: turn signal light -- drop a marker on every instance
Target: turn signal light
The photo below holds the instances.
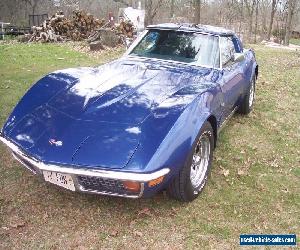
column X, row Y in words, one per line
column 156, row 181
column 132, row 186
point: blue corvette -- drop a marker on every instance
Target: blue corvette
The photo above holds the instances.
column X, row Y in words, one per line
column 146, row 122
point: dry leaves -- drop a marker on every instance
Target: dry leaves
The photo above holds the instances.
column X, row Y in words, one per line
column 224, row 171
column 242, row 172
column 17, row 222
column 145, row 211
column 114, row 233
column 138, row 233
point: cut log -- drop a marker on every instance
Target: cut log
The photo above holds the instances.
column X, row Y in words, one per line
column 95, row 46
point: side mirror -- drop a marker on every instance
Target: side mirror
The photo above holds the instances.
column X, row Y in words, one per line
column 238, row 57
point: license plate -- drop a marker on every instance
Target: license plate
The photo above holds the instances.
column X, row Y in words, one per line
column 62, row 180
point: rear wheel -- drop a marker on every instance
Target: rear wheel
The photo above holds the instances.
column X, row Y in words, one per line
column 247, row 104
column 191, row 179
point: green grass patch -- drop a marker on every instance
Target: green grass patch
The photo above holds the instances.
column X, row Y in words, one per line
column 295, row 41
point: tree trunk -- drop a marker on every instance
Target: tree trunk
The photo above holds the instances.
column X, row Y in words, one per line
column 250, row 10
column 289, row 22
column 148, row 14
column 256, row 17
column 241, row 17
column 172, row 8
column 250, row 28
column 264, row 25
column 273, row 10
column 151, row 9
column 25, row 10
column 33, row 6
column 197, row 13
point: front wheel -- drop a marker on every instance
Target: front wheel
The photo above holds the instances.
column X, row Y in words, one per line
column 191, row 179
column 247, row 103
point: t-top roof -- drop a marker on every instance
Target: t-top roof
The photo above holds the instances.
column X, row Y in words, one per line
column 192, row 27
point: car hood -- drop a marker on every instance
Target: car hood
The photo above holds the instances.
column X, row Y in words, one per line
column 53, row 137
column 96, row 119
column 124, row 91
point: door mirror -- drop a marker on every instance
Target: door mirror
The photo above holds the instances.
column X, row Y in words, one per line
column 238, row 57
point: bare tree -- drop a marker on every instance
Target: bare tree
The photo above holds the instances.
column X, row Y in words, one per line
column 197, row 13
column 172, row 3
column 9, row 10
column 263, row 21
column 241, row 16
column 250, row 5
column 256, row 19
column 288, row 26
column 33, row 4
column 151, row 8
column 273, row 10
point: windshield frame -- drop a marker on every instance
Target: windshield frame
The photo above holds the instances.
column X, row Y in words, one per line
column 145, row 32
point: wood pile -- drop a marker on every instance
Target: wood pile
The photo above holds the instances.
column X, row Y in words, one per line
column 59, row 28
column 111, row 36
column 81, row 26
column 125, row 28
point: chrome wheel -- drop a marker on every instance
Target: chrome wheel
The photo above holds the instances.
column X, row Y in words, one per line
column 192, row 177
column 200, row 162
column 251, row 94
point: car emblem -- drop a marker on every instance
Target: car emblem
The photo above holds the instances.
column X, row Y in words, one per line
column 56, row 143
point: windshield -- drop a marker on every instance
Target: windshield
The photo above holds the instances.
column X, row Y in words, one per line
column 187, row 47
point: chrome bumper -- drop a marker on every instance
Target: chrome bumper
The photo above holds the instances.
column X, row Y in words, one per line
column 39, row 167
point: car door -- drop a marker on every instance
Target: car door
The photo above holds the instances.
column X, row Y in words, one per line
column 233, row 79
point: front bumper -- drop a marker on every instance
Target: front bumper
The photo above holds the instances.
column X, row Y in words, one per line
column 105, row 182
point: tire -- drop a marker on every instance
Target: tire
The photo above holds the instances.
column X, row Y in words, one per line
column 247, row 103
column 190, row 180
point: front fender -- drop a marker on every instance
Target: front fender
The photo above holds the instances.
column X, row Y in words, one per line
column 253, row 64
column 37, row 95
column 41, row 92
column 176, row 143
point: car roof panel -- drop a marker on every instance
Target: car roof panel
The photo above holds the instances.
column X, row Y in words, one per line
column 189, row 27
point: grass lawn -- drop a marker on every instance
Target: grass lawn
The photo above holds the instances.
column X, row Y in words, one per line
column 254, row 185
column 295, row 41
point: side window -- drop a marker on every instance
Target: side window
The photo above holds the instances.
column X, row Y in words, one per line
column 227, row 51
